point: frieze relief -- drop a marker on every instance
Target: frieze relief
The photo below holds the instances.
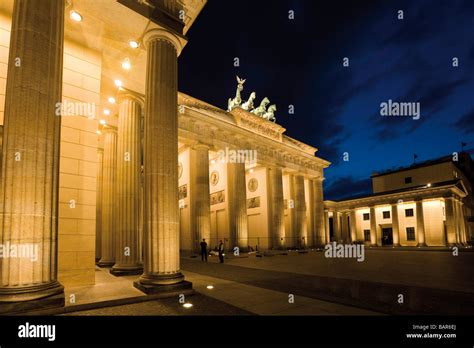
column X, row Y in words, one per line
column 253, row 202
column 217, row 197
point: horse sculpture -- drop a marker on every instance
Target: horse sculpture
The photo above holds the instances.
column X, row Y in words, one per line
column 233, row 103
column 248, row 105
column 262, row 108
column 270, row 114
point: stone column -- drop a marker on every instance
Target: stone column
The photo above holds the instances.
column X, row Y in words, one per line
column 109, row 169
column 420, row 224
column 276, row 208
column 352, row 220
column 450, row 220
column 344, row 232
column 98, row 208
column 238, row 205
column 30, row 171
column 336, row 226
column 161, row 209
column 200, row 195
column 326, row 227
column 463, row 223
column 318, row 213
column 460, row 222
column 395, row 225
column 373, row 227
column 127, row 250
column 300, row 210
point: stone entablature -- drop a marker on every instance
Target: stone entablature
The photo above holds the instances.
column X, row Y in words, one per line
column 199, row 121
column 450, row 190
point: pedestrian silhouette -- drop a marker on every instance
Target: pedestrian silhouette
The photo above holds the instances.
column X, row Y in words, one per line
column 203, row 250
column 221, row 252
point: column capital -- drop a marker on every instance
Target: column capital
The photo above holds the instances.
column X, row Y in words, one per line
column 125, row 93
column 108, row 128
column 200, row 145
column 165, row 35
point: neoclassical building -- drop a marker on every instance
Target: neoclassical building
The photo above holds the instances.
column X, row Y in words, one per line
column 104, row 161
column 426, row 204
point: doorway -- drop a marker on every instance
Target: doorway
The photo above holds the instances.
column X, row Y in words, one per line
column 387, row 236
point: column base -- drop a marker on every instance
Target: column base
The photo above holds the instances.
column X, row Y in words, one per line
column 158, row 284
column 30, row 298
column 420, row 245
column 118, row 270
column 105, row 263
column 396, row 245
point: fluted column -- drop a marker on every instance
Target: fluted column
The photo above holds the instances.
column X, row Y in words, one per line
column 326, row 227
column 127, row 251
column 277, row 209
column 98, row 207
column 373, row 227
column 463, row 223
column 318, row 212
column 238, row 204
column 395, row 225
column 109, row 176
column 420, row 223
column 353, row 225
column 161, row 211
column 300, row 210
column 344, row 231
column 336, row 226
column 30, row 157
column 450, row 220
column 200, row 195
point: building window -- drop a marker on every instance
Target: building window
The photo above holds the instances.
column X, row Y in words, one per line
column 410, row 233
column 409, row 212
column 408, row 180
column 386, row 215
column 366, row 216
column 367, row 235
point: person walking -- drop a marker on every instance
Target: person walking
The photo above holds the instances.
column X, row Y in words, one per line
column 203, row 250
column 221, row 252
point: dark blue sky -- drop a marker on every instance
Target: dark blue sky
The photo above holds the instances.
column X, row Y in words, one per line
column 337, row 109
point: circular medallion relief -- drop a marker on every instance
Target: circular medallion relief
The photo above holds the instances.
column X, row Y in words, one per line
column 253, row 185
column 214, row 178
column 180, row 169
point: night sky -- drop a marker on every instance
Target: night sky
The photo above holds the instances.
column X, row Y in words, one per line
column 337, row 108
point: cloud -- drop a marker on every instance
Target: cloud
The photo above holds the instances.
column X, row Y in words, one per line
column 347, row 186
column 466, row 123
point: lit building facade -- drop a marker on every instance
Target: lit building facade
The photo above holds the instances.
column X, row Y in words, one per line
column 105, row 162
column 428, row 204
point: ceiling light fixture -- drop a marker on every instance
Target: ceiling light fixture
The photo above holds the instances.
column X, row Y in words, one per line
column 111, row 100
column 106, row 112
column 133, row 44
column 75, row 16
column 126, row 64
column 103, row 122
column 118, row 83
column 187, row 305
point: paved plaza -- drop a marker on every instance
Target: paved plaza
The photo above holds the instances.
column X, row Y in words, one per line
column 285, row 284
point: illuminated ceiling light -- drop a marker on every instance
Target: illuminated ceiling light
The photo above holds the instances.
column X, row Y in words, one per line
column 99, row 132
column 213, row 161
column 428, row 185
column 103, row 122
column 118, row 83
column 111, row 100
column 251, row 171
column 187, row 305
column 133, row 44
column 75, row 16
column 106, row 112
column 210, row 287
column 126, row 64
